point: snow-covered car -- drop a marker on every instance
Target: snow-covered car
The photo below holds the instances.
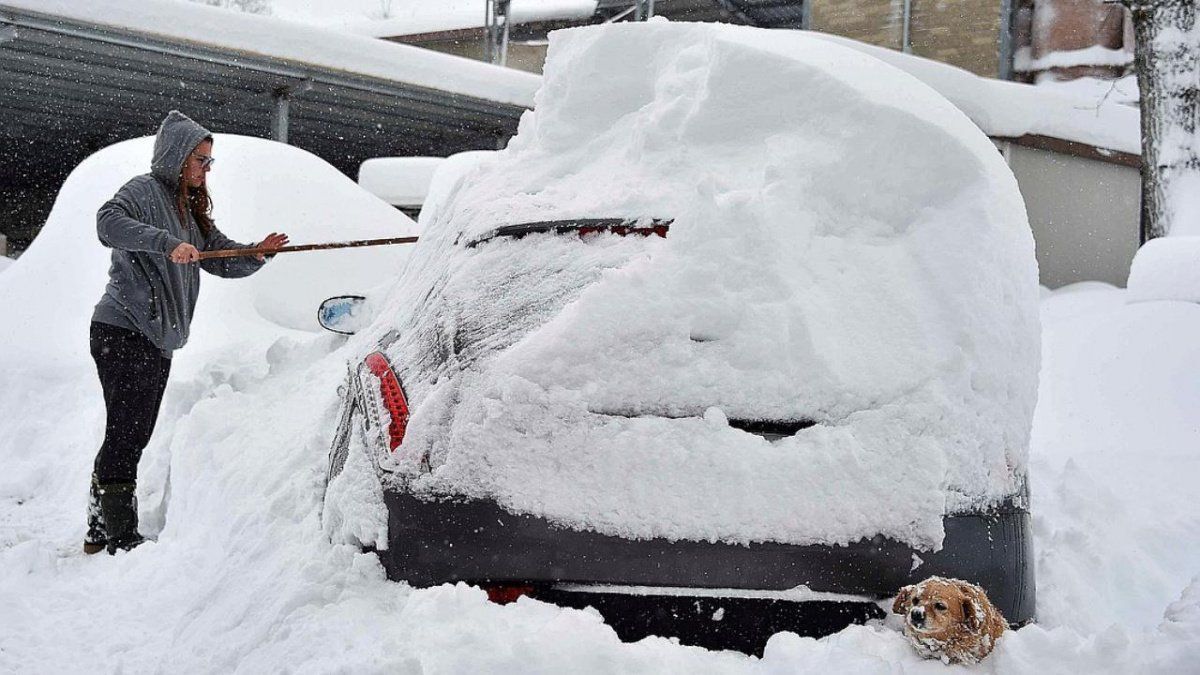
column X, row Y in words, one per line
column 739, row 334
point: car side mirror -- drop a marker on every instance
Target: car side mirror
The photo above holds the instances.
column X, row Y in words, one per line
column 344, row 314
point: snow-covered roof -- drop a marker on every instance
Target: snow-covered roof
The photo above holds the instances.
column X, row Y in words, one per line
column 294, row 42
column 1005, row 109
column 452, row 15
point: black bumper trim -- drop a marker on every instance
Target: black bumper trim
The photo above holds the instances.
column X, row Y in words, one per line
column 435, row 542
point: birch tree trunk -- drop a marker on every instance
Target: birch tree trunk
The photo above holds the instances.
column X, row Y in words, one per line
column 1167, row 61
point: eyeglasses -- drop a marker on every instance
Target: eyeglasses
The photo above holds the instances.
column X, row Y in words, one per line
column 205, row 160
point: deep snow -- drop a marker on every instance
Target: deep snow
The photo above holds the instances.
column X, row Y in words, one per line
column 853, row 252
column 242, row 578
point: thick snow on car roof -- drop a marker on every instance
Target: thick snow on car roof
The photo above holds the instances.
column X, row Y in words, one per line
column 847, row 249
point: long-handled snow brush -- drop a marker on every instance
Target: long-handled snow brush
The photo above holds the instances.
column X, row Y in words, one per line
column 238, row 252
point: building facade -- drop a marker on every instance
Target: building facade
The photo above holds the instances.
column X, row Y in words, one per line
column 1025, row 40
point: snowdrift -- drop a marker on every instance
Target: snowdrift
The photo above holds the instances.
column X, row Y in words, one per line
column 1166, row 268
column 848, row 250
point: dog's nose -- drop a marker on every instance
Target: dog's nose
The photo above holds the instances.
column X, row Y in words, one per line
column 917, row 616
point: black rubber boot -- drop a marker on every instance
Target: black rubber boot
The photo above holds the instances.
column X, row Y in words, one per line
column 118, row 509
column 96, row 539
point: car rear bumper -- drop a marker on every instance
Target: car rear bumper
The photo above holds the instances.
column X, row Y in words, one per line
column 477, row 541
column 715, row 622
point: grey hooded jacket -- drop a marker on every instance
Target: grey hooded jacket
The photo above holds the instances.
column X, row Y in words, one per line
column 146, row 292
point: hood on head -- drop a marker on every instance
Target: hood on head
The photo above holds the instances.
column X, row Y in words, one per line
column 178, row 135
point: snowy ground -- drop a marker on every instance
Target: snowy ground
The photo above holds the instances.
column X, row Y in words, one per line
column 242, row 580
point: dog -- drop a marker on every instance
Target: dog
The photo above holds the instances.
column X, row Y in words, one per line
column 949, row 619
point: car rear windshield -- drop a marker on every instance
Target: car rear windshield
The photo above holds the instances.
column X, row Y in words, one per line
column 517, row 277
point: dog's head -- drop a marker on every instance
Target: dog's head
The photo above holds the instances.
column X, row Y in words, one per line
column 937, row 607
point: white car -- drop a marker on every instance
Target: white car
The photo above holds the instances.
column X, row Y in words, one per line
column 738, row 335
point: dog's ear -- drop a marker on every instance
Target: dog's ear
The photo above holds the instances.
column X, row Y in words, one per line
column 900, row 605
column 970, row 603
column 969, row 616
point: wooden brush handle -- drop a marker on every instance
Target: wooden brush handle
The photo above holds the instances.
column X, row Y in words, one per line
column 239, row 252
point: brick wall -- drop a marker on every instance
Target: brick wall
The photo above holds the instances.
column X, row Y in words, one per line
column 964, row 33
column 876, row 22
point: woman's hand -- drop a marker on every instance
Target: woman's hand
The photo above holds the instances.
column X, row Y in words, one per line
column 185, row 253
column 272, row 243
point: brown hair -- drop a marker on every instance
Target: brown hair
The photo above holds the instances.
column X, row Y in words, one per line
column 194, row 200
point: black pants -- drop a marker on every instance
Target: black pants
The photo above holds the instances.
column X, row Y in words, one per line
column 133, row 373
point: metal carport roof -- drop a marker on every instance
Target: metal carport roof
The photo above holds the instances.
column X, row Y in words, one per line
column 71, row 85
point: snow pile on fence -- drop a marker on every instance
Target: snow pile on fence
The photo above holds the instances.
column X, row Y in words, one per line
column 1096, row 55
column 1102, row 92
column 848, row 249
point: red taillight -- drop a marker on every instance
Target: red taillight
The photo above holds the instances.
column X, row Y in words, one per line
column 393, row 397
column 502, row 595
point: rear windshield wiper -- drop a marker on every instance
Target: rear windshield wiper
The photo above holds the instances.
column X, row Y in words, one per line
column 772, row 430
column 582, row 227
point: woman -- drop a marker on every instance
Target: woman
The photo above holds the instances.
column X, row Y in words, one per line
column 156, row 224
